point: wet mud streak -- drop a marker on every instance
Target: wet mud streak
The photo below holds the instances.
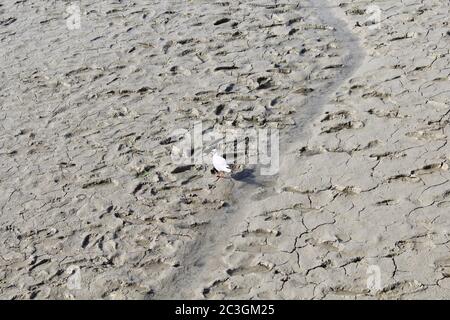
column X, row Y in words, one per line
column 206, row 251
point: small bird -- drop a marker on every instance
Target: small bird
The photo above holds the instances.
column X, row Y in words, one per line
column 220, row 164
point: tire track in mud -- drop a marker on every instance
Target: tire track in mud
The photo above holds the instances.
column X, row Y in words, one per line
column 205, row 253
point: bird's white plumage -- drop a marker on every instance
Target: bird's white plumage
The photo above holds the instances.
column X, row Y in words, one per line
column 219, row 163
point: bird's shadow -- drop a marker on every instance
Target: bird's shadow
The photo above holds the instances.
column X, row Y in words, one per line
column 247, row 176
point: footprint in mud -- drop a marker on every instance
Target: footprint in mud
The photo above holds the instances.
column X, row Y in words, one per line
column 344, row 126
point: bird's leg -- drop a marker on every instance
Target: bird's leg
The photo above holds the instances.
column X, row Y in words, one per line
column 219, row 175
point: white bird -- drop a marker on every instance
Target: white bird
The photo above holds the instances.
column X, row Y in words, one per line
column 219, row 163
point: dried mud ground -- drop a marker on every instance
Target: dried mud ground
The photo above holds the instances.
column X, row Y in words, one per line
column 89, row 189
